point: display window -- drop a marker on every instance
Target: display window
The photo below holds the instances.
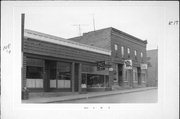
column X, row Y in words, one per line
column 135, row 75
column 34, row 77
column 60, row 75
column 93, row 78
column 34, row 73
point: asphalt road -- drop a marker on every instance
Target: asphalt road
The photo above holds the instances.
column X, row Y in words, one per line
column 147, row 96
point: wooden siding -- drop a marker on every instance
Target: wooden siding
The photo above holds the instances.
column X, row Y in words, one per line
column 33, row 46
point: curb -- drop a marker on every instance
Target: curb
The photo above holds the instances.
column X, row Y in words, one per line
column 85, row 96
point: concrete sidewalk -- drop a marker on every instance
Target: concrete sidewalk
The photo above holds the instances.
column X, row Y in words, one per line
column 83, row 96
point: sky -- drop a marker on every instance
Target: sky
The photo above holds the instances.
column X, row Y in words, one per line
column 144, row 21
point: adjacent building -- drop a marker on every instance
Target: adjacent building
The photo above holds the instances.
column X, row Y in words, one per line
column 152, row 59
column 94, row 61
column 123, row 47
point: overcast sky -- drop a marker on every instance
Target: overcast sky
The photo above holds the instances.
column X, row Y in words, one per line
column 143, row 21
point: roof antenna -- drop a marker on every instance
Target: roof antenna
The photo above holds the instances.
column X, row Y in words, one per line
column 79, row 26
column 94, row 23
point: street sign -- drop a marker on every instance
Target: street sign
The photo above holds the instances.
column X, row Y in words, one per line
column 143, row 66
column 100, row 65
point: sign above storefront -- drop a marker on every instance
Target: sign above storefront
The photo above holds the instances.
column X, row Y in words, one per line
column 100, row 65
column 111, row 69
column 128, row 64
column 143, row 66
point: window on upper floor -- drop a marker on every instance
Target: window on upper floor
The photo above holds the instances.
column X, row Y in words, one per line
column 141, row 56
column 115, row 47
column 122, row 51
column 135, row 54
column 128, row 51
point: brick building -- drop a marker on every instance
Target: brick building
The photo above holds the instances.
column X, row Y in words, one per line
column 52, row 63
column 152, row 57
column 123, row 47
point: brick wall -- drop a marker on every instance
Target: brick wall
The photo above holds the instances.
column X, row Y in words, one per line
column 127, row 42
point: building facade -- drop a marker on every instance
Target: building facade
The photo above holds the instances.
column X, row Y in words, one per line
column 94, row 61
column 123, row 47
column 152, row 59
column 55, row 64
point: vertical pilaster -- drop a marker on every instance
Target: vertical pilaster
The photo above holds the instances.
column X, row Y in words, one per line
column 24, row 71
column 104, row 76
column 79, row 77
column 72, row 76
column 123, row 74
column 111, row 76
column 44, row 73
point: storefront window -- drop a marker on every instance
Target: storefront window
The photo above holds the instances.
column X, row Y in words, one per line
column 34, row 73
column 94, row 78
column 64, row 75
column 84, row 78
column 34, row 77
column 135, row 76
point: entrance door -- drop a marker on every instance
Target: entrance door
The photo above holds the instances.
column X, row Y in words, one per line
column 139, row 75
column 50, row 74
column 120, row 74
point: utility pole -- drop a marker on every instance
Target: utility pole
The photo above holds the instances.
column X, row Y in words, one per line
column 22, row 52
column 94, row 23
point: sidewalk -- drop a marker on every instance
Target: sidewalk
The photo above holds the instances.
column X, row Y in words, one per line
column 83, row 96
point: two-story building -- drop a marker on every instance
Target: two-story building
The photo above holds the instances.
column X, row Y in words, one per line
column 123, row 47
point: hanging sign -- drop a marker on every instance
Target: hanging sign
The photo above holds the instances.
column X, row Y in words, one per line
column 143, row 66
column 100, row 65
column 128, row 64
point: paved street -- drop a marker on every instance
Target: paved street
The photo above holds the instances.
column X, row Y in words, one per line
column 148, row 96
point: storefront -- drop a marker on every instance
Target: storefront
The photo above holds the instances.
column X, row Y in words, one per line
column 50, row 66
column 128, row 77
column 50, row 75
column 55, row 64
column 95, row 80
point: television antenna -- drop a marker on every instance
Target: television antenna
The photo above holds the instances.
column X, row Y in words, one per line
column 79, row 27
column 93, row 21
